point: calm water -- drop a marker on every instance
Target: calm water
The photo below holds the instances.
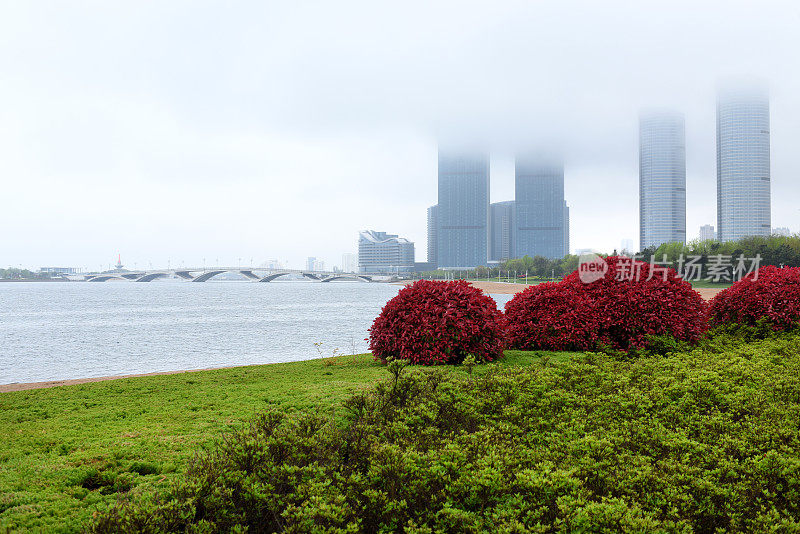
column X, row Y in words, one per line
column 56, row 331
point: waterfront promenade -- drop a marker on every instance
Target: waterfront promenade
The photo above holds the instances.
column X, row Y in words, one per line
column 510, row 288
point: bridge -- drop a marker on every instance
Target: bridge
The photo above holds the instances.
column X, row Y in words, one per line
column 253, row 274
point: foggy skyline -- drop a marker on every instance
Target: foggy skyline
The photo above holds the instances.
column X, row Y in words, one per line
column 194, row 130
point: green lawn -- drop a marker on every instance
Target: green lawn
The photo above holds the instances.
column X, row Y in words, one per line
column 710, row 285
column 68, row 451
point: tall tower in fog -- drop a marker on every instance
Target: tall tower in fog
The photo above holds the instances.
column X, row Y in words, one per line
column 662, row 179
column 462, row 216
column 541, row 216
column 743, row 163
column 433, row 240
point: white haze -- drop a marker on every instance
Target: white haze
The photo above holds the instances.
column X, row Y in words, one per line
column 178, row 131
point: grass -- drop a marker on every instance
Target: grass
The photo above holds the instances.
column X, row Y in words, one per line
column 701, row 284
column 71, row 450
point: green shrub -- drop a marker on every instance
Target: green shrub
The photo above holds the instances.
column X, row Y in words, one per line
column 144, row 468
column 664, row 345
column 691, row 441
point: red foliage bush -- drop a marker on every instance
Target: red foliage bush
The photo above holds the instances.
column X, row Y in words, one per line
column 773, row 296
column 432, row 323
column 620, row 310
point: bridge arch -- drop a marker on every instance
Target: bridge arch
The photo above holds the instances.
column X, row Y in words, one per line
column 208, row 275
column 105, row 277
column 273, row 276
column 347, row 276
column 152, row 276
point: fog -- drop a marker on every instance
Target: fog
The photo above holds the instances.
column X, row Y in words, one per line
column 183, row 131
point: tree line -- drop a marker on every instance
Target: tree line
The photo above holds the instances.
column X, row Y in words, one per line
column 778, row 250
column 534, row 268
column 12, row 273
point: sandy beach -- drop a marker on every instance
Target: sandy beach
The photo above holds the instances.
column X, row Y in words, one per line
column 508, row 288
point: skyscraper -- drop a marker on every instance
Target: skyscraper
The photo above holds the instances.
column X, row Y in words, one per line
column 463, row 212
column 743, row 163
column 662, row 179
column 566, row 228
column 349, row 262
column 541, row 218
column 432, row 236
column 501, row 237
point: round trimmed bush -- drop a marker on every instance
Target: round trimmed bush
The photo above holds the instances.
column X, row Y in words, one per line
column 622, row 310
column 549, row 316
column 432, row 322
column 773, row 296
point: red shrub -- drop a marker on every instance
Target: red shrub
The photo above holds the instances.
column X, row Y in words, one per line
column 620, row 310
column 774, row 295
column 549, row 316
column 438, row 322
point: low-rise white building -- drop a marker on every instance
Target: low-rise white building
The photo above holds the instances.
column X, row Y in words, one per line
column 382, row 253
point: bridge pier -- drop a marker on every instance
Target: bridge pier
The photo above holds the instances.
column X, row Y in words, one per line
column 203, row 275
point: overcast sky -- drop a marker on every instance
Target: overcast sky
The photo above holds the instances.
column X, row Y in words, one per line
column 177, row 131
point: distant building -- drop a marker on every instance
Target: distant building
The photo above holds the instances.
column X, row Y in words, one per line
column 743, row 163
column 662, row 179
column 782, row 231
column 707, row 233
column 433, row 236
column 60, row 270
column 462, row 227
column 540, row 216
column 382, row 253
column 349, row 262
column 566, row 228
column 501, row 231
column 314, row 264
column 274, row 264
column 626, row 246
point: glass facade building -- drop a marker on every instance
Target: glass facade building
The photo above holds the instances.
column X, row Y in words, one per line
column 463, row 210
column 743, row 163
column 432, row 236
column 541, row 220
column 382, row 253
column 566, row 228
column 501, row 240
column 662, row 179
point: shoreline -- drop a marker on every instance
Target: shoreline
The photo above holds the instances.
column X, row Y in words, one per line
column 510, row 288
column 25, row 386
column 498, row 288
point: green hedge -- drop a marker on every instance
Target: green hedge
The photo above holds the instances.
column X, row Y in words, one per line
column 696, row 441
